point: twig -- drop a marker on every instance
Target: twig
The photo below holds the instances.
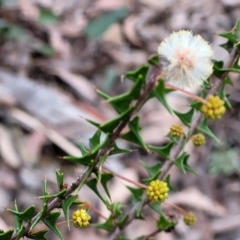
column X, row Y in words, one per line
column 151, row 234
column 177, row 150
column 156, row 73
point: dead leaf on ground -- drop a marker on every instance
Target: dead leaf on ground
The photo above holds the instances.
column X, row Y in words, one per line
column 7, row 149
column 51, row 134
column 129, row 28
column 79, row 83
column 193, row 198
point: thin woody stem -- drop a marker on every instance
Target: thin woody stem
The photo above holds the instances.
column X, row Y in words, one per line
column 56, row 202
column 176, row 207
column 124, row 178
column 88, row 205
column 151, row 234
column 191, row 95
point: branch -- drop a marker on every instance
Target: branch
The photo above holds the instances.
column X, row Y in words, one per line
column 155, row 73
column 178, row 148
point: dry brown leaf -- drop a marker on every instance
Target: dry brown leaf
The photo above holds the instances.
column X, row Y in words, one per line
column 105, row 5
column 51, row 134
column 113, row 35
column 61, row 46
column 128, row 58
column 29, row 11
column 130, row 31
column 7, row 150
column 34, row 143
column 228, row 223
column 193, row 198
column 79, row 83
column 73, row 26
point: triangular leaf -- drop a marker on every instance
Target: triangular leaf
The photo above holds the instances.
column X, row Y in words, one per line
column 182, row 163
column 26, row 215
column 38, row 235
column 108, row 225
column 92, row 184
column 66, row 204
column 96, row 124
column 203, row 127
column 234, row 34
column 40, row 216
column 17, row 221
column 116, row 209
column 59, row 176
column 117, row 150
column 154, row 60
column 134, row 134
column 113, row 123
column 156, row 207
column 136, row 194
column 20, row 232
column 140, row 73
column 163, row 151
column 120, row 103
column 160, row 93
column 106, row 177
column 85, row 160
column 83, row 150
column 51, row 221
column 164, row 224
column 95, row 139
column 153, row 171
column 186, row 118
column 122, row 220
column 6, row 235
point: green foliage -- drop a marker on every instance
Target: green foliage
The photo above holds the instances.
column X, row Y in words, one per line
column 66, row 204
column 59, row 177
column 6, row 235
column 164, row 224
column 92, row 184
column 224, row 161
column 38, row 235
column 186, row 118
column 105, row 178
column 99, row 25
column 163, row 151
column 107, row 225
column 47, row 17
column 137, row 194
column 126, row 125
column 51, row 221
column 134, row 134
column 182, row 163
column 231, row 36
column 153, row 171
column 20, row 232
column 160, row 93
column 203, row 127
column 26, row 215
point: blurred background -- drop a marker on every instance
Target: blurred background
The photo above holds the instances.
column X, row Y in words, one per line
column 54, row 54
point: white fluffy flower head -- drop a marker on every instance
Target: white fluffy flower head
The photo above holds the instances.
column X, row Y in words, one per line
column 189, row 59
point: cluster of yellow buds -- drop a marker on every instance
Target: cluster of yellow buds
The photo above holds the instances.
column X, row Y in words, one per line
column 189, row 218
column 80, row 218
column 176, row 130
column 198, row 139
column 157, row 191
column 214, row 108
